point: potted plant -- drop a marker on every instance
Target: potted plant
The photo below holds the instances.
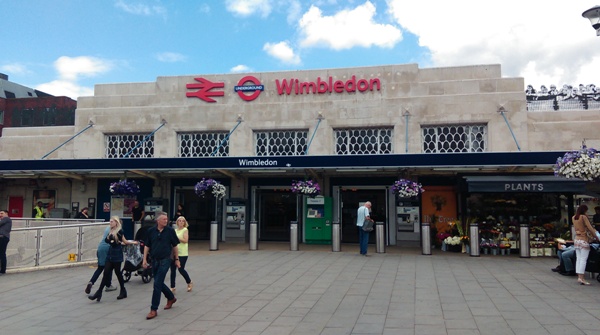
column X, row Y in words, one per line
column 309, row 187
column 124, row 187
column 404, row 188
column 209, row 188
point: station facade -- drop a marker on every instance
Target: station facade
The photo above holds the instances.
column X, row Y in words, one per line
column 464, row 133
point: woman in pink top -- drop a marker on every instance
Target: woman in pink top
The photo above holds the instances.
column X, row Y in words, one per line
column 582, row 226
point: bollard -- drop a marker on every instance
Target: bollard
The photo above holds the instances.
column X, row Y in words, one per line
column 426, row 238
column 214, row 236
column 380, row 237
column 524, row 240
column 253, row 235
column 474, row 239
column 294, row 235
column 335, row 237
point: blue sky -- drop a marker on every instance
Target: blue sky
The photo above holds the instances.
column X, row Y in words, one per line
column 65, row 47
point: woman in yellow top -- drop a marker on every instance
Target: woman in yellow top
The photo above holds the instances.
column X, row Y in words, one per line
column 182, row 247
column 582, row 226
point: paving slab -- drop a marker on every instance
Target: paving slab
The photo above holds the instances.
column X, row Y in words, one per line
column 314, row 291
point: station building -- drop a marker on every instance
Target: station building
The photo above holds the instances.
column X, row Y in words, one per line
column 464, row 133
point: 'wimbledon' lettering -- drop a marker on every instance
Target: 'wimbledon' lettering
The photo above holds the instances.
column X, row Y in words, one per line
column 257, row 162
column 321, row 86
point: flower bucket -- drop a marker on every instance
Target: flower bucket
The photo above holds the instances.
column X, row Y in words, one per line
column 486, row 251
column 453, row 247
column 494, row 251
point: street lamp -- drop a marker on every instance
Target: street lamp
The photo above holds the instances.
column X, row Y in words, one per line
column 593, row 14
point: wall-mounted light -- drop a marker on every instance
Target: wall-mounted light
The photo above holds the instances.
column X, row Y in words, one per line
column 593, row 14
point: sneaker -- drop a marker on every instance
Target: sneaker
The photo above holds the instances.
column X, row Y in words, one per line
column 110, row 288
column 88, row 288
column 173, row 289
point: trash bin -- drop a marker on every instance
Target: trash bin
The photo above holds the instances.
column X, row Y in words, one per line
column 335, row 237
column 524, row 240
column 294, row 235
column 380, row 237
column 474, row 239
column 253, row 235
column 426, row 238
column 214, row 236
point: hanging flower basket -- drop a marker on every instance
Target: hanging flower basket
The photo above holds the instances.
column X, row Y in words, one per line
column 210, row 187
column 124, row 187
column 405, row 188
column 583, row 163
column 306, row 187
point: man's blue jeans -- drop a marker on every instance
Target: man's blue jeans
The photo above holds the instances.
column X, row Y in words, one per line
column 160, row 268
column 363, row 240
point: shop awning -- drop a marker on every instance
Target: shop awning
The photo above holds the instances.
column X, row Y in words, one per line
column 525, row 184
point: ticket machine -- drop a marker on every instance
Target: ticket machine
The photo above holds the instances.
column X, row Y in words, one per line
column 317, row 217
column 235, row 219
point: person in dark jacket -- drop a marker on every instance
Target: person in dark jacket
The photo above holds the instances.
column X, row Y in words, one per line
column 5, row 228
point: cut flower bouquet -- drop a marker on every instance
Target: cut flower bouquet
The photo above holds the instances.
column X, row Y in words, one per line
column 210, row 187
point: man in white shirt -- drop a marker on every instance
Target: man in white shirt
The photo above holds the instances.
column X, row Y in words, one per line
column 363, row 216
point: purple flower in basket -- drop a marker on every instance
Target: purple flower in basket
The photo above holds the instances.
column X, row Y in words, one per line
column 405, row 188
column 124, row 187
column 209, row 187
column 583, row 163
column 306, row 187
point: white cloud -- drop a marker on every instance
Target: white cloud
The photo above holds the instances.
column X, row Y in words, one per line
column 282, row 51
column 347, row 29
column 294, row 10
column 15, row 68
column 240, row 68
column 140, row 8
column 249, row 7
column 65, row 88
column 70, row 70
column 170, row 57
column 543, row 43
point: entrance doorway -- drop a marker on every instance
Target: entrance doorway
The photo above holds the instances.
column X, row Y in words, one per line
column 350, row 199
column 276, row 208
column 198, row 212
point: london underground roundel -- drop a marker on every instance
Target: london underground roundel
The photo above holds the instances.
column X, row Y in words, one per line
column 249, row 84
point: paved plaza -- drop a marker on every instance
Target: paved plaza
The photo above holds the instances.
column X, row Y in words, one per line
column 315, row 291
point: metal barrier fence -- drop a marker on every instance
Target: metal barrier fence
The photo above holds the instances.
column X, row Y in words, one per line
column 53, row 245
column 31, row 222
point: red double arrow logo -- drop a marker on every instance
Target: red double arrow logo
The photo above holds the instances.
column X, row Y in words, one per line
column 204, row 88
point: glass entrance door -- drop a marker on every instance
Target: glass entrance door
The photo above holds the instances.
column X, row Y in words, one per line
column 350, row 199
column 276, row 209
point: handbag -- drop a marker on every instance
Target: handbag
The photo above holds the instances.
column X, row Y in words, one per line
column 367, row 225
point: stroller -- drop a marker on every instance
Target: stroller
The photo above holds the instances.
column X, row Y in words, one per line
column 593, row 261
column 133, row 262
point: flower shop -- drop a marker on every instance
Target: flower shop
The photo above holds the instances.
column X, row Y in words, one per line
column 500, row 204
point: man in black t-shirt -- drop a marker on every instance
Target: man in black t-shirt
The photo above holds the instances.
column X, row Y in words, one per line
column 161, row 245
column 137, row 212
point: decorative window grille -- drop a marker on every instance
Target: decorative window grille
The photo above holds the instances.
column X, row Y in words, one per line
column 203, row 144
column 454, row 138
column 281, row 143
column 118, row 145
column 362, row 141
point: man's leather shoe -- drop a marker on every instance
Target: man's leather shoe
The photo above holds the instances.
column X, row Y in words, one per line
column 568, row 273
column 170, row 303
column 556, row 269
column 151, row 315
